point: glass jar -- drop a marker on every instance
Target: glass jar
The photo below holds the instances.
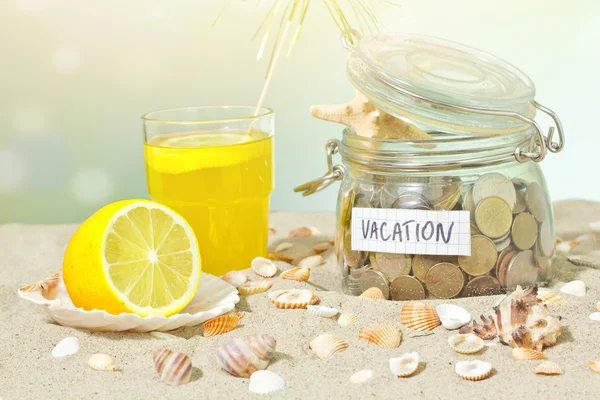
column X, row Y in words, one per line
column 483, row 158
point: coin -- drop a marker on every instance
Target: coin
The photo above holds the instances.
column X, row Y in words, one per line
column 482, row 259
column 494, row 185
column 522, row 270
column 445, row 280
column 468, row 204
column 444, row 192
column 524, row 231
column 474, row 229
column 376, row 279
column 493, row 217
column 504, row 266
column 520, row 188
column 500, row 257
column 363, row 200
column 482, row 286
column 391, row 191
column 412, row 201
column 546, row 239
column 502, row 243
column 407, row 288
column 421, row 264
column 352, row 276
column 391, row 265
column 346, row 211
column 536, row 202
column 353, row 258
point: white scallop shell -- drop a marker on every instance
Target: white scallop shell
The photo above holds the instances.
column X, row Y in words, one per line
column 263, row 267
column 405, row 365
column 235, row 278
column 361, row 376
column 574, row 288
column 263, row 382
column 453, row 316
column 327, row 345
column 466, row 343
column 595, row 316
column 66, row 347
column 474, row 370
column 322, row 311
column 311, row 262
column 101, row 362
column 347, row 319
column 214, row 297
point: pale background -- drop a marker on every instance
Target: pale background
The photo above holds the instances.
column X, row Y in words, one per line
column 75, row 76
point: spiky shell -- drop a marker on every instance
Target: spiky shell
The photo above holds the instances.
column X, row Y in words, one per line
column 419, row 316
column 303, row 232
column 452, row 316
column 176, row 369
column 296, row 274
column 242, row 357
column 388, row 336
column 254, row 287
column 293, row 298
column 221, row 324
column 263, row 382
column 373, row 293
column 322, row 311
column 474, row 370
column 548, row 368
column 466, row 343
column 347, row 319
column 327, row 345
column 101, row 362
column 311, row 262
column 235, row 278
column 263, row 267
column 548, row 297
column 595, row 366
column 321, row 248
column 405, row 365
column 521, row 353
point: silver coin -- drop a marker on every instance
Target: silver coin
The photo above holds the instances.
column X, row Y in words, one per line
column 352, row 277
column 391, row 191
column 502, row 243
column 391, row 265
column 412, row 201
column 522, row 270
column 521, row 189
column 376, row 279
column 494, row 185
column 536, row 202
column 546, row 239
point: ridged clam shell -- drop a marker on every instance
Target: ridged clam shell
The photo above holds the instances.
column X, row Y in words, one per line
column 419, row 316
column 361, row 376
column 474, row 370
column 254, row 287
column 303, row 232
column 242, row 357
column 574, row 288
column 222, row 324
column 293, row 298
column 595, row 366
column 466, row 343
column 548, row 368
column 373, row 294
column 405, row 365
column 322, row 311
column 46, row 287
column 283, row 246
column 311, row 262
column 522, row 353
column 388, row 336
column 347, row 319
column 263, row 267
column 327, row 345
column 548, row 297
column 101, row 362
column 296, row 274
column 235, row 278
column 263, row 382
column 66, row 347
column 321, row 248
column 176, row 370
column 452, row 316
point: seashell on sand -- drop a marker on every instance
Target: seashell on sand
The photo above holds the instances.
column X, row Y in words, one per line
column 235, row 278
column 598, row 306
column 263, row 267
column 563, row 247
column 595, row 366
column 548, row 368
column 279, row 257
column 419, row 316
column 474, row 370
column 272, row 230
column 361, row 376
column 452, row 316
column 160, row 357
column 321, row 248
column 595, row 316
column 405, row 365
column 66, row 347
column 322, row 311
column 466, row 343
column 548, row 297
column 347, row 319
column 373, row 294
column 101, row 362
column 243, row 356
column 311, row 262
column 521, row 353
column 327, row 345
column 47, row 287
column 293, row 298
column 387, row 336
column 283, row 246
column 574, row 288
column 221, row 324
column 296, row 274
column 303, row 232
column 175, row 368
column 254, row 287
column 264, row 382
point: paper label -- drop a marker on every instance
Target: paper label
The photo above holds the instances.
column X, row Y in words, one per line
column 388, row 230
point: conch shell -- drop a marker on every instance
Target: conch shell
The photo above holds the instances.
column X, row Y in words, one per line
column 242, row 357
column 174, row 368
column 520, row 321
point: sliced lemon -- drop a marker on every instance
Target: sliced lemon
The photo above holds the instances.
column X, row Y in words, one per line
column 133, row 256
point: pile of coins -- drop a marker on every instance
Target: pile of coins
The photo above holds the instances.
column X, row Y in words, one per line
column 512, row 239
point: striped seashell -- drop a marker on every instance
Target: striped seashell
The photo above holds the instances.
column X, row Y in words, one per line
column 321, row 248
column 311, row 262
column 254, row 287
column 474, row 370
column 303, row 232
column 595, row 366
column 373, row 293
column 101, row 362
column 46, row 287
column 160, row 357
column 293, row 298
column 388, row 336
column 467, row 343
column 522, row 353
column 174, row 368
column 347, row 319
column 419, row 316
column 221, row 324
column 548, row 297
column 235, row 278
column 548, row 368
column 263, row 267
column 405, row 365
column 296, row 274
column 243, row 357
column 327, row 345
column 322, row 311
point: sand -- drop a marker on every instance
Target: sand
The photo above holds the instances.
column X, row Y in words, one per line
column 28, row 371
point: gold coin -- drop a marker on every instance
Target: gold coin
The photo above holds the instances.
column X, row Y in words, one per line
column 391, row 265
column 493, row 217
column 537, row 202
column 422, row 263
column 483, row 256
column 468, row 204
column 376, row 279
column 445, row 280
column 406, row 288
column 524, row 231
column 522, row 270
column 482, row 286
column 353, row 258
column 346, row 211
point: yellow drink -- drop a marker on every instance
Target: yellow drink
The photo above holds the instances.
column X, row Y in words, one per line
column 220, row 182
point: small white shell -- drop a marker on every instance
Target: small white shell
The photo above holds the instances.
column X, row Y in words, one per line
column 283, row 246
column 311, row 262
column 235, row 278
column 320, row 248
column 453, row 316
column 574, row 288
column 466, row 343
column 563, row 247
column 595, row 316
column 347, row 319
column 474, row 370
column 405, row 365
column 303, row 232
column 263, row 267
column 101, row 362
column 263, row 382
column 361, row 376
column 322, row 311
column 66, row 347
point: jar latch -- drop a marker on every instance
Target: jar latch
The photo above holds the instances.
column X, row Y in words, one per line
column 334, row 172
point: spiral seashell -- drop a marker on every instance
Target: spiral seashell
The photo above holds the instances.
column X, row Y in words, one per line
column 361, row 376
column 321, row 248
column 296, row 274
column 474, row 370
column 347, row 319
column 548, row 297
column 595, row 366
column 388, row 336
column 235, row 278
column 101, row 362
column 221, row 324
column 263, row 267
column 522, row 353
column 254, row 287
column 327, row 345
column 373, row 293
column 311, row 262
column 243, row 357
column 264, row 382
column 419, row 316
column 176, row 369
column 548, row 368
column 293, row 298
column 322, row 311
column 467, row 343
column 303, row 232
column 46, row 287
column 160, row 357
column 405, row 365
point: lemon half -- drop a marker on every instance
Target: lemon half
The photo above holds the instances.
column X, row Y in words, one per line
column 133, row 256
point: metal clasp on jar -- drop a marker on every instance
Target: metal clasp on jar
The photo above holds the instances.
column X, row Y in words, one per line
column 334, row 172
